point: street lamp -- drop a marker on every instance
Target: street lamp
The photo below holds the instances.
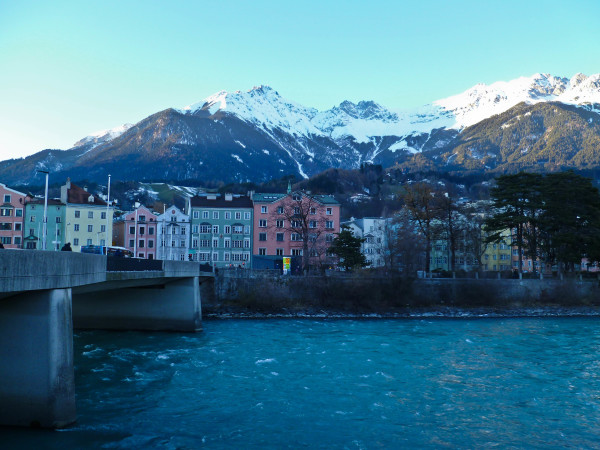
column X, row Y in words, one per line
column 45, row 224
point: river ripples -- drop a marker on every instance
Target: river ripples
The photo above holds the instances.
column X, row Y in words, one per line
column 348, row 384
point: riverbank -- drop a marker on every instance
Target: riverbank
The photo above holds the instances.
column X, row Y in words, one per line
column 231, row 312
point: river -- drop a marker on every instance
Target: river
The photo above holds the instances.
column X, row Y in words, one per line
column 347, row 384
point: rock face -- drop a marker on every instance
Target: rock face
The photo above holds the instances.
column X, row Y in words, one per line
column 531, row 122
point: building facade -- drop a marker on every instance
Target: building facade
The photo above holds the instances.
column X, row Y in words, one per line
column 290, row 224
column 497, row 257
column 34, row 224
column 173, row 235
column 88, row 218
column 221, row 229
column 12, row 211
column 374, row 232
column 139, row 232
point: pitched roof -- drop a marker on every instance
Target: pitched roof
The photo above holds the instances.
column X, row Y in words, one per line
column 270, row 198
column 218, row 201
column 79, row 195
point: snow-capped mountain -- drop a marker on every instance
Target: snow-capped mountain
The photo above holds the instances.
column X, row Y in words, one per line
column 256, row 135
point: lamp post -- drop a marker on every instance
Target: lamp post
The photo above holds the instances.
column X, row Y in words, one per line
column 45, row 224
column 107, row 243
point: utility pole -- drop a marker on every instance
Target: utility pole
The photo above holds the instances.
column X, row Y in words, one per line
column 45, row 223
column 107, row 243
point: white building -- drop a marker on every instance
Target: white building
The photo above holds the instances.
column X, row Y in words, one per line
column 374, row 231
column 173, row 235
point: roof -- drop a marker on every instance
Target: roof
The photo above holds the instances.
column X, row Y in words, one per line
column 79, row 195
column 212, row 201
column 40, row 201
column 270, row 198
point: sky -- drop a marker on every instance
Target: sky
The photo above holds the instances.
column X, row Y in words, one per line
column 69, row 68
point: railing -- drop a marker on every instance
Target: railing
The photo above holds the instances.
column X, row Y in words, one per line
column 117, row 264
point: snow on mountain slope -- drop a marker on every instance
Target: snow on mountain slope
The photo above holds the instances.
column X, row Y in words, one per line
column 102, row 136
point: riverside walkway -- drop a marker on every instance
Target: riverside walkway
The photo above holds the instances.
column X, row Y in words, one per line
column 44, row 295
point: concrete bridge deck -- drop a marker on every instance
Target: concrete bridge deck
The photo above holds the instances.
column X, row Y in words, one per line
column 44, row 295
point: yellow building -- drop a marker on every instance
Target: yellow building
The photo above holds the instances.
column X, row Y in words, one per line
column 497, row 256
column 88, row 219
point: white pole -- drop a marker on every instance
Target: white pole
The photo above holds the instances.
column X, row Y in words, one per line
column 45, row 224
column 135, row 235
column 107, row 243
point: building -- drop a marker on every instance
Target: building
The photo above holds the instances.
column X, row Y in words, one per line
column 374, row 231
column 12, row 210
column 173, row 235
column 34, row 224
column 88, row 218
column 497, row 256
column 137, row 231
column 290, row 224
column 221, row 229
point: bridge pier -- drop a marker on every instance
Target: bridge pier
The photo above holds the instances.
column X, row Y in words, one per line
column 37, row 385
column 172, row 306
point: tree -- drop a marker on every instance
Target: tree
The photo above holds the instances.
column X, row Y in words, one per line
column 348, row 248
column 421, row 203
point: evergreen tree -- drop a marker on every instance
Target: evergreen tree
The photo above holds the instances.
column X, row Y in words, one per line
column 347, row 247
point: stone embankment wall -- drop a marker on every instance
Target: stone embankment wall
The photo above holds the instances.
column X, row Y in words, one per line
column 268, row 291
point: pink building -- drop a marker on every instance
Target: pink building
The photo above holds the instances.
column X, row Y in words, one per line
column 12, row 211
column 291, row 224
column 140, row 232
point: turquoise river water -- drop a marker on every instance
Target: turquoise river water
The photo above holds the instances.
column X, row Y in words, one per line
column 347, row 384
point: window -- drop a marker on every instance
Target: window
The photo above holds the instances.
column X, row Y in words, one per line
column 19, row 212
column 296, row 252
column 6, row 198
column 181, row 244
column 313, row 253
column 89, row 242
column 103, row 215
column 151, row 231
column 329, row 224
column 246, row 229
column 131, row 230
column 296, row 224
column 90, row 214
column 31, row 232
column 76, row 227
column 76, row 241
column 194, row 243
column 238, row 244
column 204, row 228
column 6, row 226
column 279, row 223
column 204, row 243
column 227, row 229
column 215, row 242
column 32, row 245
column 280, row 210
column 279, row 252
column 215, row 256
column 173, row 230
column 90, row 228
column 182, row 230
column 262, row 236
column 142, row 230
column 215, row 229
column 141, row 218
column 173, row 243
column 262, row 223
column 215, row 214
column 296, row 197
column 18, row 226
column 17, row 240
column 102, row 242
column 102, row 228
column 196, row 214
column 141, row 243
column 246, row 243
column 280, row 237
column 312, row 224
column 262, row 251
column 313, row 210
column 238, row 215
column 31, row 219
column 226, row 256
column 227, row 215
column 205, row 214
column 195, row 229
column 58, row 220
column 296, row 237
column 227, row 243
column 150, row 244
column 246, row 216
column 77, row 215
column 264, row 209
column 296, row 210
column 329, row 211
column 6, row 240
column 238, row 229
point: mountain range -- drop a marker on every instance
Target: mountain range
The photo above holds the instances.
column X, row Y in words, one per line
column 542, row 122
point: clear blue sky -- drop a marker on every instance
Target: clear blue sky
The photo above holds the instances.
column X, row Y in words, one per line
column 69, row 68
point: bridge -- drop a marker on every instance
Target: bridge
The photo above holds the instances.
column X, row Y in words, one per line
column 45, row 295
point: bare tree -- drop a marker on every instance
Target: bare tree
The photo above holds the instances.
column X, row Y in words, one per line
column 408, row 244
